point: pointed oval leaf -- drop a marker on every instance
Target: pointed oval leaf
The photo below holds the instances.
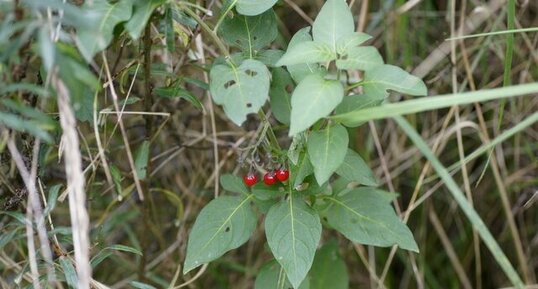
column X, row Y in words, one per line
column 313, row 99
column 280, row 95
column 352, row 40
column 249, row 33
column 355, row 169
column 327, row 149
column 293, row 231
column 142, row 159
column 254, row 7
column 384, row 77
column 329, row 269
column 271, row 276
column 142, row 10
column 334, row 22
column 233, row 184
column 91, row 40
column 365, row 216
column 362, row 58
column 240, row 90
column 307, row 52
column 299, row 71
column 224, row 224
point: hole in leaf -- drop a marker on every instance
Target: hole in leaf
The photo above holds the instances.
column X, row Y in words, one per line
column 227, row 229
column 354, row 221
column 238, row 41
column 251, row 72
column 343, row 57
column 249, row 105
column 254, row 38
column 289, row 88
column 325, row 219
column 229, row 83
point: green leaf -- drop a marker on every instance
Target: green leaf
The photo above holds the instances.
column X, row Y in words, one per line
column 269, row 57
column 362, row 58
column 178, row 91
column 293, row 231
column 124, row 248
column 334, row 22
column 141, row 160
column 299, row 71
column 13, row 121
column 69, row 272
column 233, row 184
column 327, row 149
column 250, row 33
column 280, row 95
column 264, row 192
column 168, row 27
column 365, row 216
column 314, row 98
column 355, row 169
column 296, row 147
column 240, row 90
column 307, row 52
column 272, row 276
column 329, row 270
column 51, row 199
column 356, row 102
column 91, row 40
column 141, row 285
column 142, row 10
column 350, row 41
column 302, row 170
column 254, row 7
column 384, row 77
column 224, row 224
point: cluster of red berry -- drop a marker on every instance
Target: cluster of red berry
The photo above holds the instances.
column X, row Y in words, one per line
column 269, row 178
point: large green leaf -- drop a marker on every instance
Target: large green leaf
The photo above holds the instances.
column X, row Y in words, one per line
column 327, row 149
column 307, row 52
column 272, row 276
column 350, row 41
column 333, row 23
column 91, row 40
column 365, row 216
column 362, row 58
column 233, row 184
column 384, row 77
column 250, row 33
column 356, row 102
column 240, row 90
column 355, row 169
column 293, row 231
column 314, row 98
column 224, row 224
column 329, row 270
column 302, row 170
column 300, row 71
column 280, row 95
column 142, row 10
column 254, row 7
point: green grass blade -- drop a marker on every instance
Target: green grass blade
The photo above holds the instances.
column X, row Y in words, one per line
column 494, row 33
column 458, row 195
column 433, row 102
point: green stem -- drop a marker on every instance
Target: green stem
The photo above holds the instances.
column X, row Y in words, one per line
column 507, row 80
column 270, row 133
column 206, row 28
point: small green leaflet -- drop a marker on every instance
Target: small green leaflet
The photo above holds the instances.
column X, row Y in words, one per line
column 250, row 33
column 240, row 90
column 355, row 169
column 327, row 149
column 280, row 95
column 233, row 184
column 224, row 224
column 365, row 216
column 334, row 22
column 293, row 231
column 329, row 270
column 272, row 276
column 384, row 77
column 141, row 160
column 362, row 58
column 350, row 41
column 300, row 71
column 142, row 10
column 314, row 98
column 307, row 52
column 302, row 170
column 254, row 7
column 91, row 40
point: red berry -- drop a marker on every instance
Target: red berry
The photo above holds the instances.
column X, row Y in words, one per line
column 269, row 178
column 250, row 179
column 282, row 175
